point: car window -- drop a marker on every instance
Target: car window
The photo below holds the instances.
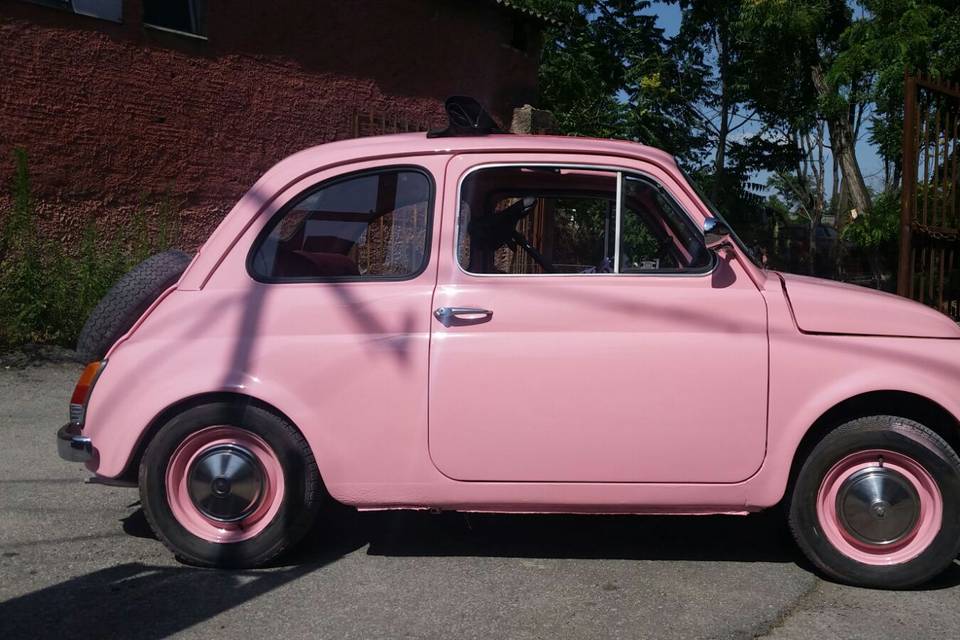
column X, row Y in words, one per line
column 368, row 226
column 564, row 220
column 656, row 234
column 522, row 220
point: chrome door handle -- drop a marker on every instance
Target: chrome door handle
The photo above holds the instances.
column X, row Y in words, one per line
column 449, row 316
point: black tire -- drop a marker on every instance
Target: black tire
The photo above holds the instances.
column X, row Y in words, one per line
column 900, row 436
column 301, row 500
column 126, row 301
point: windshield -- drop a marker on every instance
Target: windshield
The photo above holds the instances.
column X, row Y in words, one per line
column 716, row 213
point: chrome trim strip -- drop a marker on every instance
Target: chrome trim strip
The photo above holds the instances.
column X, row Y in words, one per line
column 616, row 223
column 563, row 165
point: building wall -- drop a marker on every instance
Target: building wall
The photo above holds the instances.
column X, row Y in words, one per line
column 120, row 116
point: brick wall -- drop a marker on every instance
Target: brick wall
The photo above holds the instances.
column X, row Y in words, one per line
column 116, row 116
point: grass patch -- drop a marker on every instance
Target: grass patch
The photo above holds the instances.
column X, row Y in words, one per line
column 47, row 292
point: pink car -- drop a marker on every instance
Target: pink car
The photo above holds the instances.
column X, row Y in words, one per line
column 514, row 324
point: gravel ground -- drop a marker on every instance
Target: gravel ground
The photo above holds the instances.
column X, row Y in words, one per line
column 78, row 560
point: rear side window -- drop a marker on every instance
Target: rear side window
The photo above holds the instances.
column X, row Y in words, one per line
column 373, row 225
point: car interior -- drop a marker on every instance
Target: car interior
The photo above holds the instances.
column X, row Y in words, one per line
column 552, row 220
column 367, row 225
column 512, row 220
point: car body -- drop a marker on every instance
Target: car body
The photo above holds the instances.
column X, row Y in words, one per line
column 658, row 390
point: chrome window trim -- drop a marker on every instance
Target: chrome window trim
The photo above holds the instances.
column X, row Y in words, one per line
column 618, row 207
column 620, row 173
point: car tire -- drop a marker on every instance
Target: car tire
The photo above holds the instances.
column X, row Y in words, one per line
column 229, row 485
column 877, row 504
column 126, row 301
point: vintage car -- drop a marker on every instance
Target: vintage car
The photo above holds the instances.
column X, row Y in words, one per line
column 514, row 323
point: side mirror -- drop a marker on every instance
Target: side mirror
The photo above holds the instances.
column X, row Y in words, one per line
column 716, row 233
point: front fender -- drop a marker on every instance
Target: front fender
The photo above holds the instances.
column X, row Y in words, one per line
column 812, row 374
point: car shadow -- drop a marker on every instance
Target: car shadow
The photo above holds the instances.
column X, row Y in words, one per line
column 148, row 601
column 758, row 537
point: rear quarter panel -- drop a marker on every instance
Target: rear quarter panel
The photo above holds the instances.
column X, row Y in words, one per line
column 346, row 362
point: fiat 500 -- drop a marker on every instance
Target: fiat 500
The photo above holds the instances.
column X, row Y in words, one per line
column 514, row 324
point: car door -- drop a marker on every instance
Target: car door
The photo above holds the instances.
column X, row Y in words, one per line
column 614, row 348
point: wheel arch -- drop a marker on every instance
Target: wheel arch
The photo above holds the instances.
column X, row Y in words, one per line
column 903, row 404
column 130, row 471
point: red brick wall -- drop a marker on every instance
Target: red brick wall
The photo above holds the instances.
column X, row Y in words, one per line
column 115, row 115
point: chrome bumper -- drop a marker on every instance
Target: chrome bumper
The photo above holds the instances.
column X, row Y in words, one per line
column 72, row 446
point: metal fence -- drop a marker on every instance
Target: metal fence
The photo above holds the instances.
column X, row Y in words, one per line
column 369, row 123
column 929, row 264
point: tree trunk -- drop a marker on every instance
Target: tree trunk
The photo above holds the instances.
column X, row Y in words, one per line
column 720, row 160
column 844, row 147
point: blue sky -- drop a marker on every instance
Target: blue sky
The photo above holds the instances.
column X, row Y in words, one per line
column 668, row 18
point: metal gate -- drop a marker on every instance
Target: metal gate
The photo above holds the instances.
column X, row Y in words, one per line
column 929, row 268
column 370, row 123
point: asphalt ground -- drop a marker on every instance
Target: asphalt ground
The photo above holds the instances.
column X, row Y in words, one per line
column 78, row 560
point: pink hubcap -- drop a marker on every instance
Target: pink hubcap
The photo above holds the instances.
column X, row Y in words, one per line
column 879, row 507
column 224, row 484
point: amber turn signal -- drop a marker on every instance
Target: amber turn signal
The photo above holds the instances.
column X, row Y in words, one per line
column 89, row 376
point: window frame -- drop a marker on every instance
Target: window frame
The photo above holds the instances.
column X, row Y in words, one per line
column 194, row 19
column 275, row 219
column 620, row 172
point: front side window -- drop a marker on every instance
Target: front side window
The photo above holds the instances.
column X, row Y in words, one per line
column 543, row 220
column 368, row 226
column 656, row 234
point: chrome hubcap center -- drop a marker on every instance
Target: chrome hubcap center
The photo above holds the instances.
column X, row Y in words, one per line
column 878, row 505
column 225, row 483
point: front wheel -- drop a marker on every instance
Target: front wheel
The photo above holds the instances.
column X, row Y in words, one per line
column 877, row 503
column 229, row 485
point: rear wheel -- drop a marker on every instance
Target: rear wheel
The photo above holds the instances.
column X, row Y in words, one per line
column 877, row 503
column 229, row 485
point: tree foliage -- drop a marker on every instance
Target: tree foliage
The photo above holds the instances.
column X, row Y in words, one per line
column 780, row 92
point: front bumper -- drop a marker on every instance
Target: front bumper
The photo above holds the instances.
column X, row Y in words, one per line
column 72, row 446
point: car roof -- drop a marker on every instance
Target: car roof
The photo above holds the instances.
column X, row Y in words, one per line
column 409, row 144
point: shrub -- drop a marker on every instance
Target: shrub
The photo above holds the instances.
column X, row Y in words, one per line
column 879, row 229
column 46, row 293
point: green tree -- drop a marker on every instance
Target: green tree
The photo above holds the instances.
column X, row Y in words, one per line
column 893, row 37
column 610, row 72
column 803, row 38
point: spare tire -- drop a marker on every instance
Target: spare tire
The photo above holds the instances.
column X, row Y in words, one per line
column 126, row 301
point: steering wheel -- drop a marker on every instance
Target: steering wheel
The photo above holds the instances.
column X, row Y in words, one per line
column 493, row 231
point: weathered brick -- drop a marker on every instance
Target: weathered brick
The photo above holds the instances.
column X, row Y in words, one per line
column 114, row 115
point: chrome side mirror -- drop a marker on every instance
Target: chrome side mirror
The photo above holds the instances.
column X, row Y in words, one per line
column 716, row 233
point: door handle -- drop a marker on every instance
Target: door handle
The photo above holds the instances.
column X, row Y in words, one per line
column 453, row 316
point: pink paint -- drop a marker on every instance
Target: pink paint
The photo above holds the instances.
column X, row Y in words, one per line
column 825, row 306
column 620, row 393
column 193, row 520
column 914, row 541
